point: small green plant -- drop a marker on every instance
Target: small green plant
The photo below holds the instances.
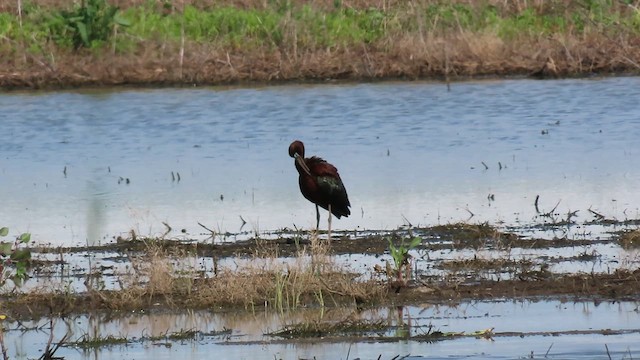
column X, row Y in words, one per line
column 400, row 255
column 88, row 24
column 14, row 254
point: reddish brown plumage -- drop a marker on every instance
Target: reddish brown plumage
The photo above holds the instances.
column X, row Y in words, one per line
column 320, row 182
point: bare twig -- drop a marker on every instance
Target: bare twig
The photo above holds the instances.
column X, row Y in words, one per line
column 2, row 345
column 571, row 214
column 549, row 349
column 596, row 214
column 407, row 222
column 49, row 353
column 212, row 236
column 550, row 213
column 211, row 231
column 470, row 213
column 168, row 229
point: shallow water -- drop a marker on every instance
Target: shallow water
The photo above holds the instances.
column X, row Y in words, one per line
column 520, row 330
column 407, row 152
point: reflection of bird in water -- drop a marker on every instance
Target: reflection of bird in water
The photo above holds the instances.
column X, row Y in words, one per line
column 320, row 183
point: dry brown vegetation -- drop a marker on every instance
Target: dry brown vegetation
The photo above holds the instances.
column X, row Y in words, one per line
column 406, row 57
column 436, row 53
column 157, row 278
column 630, row 239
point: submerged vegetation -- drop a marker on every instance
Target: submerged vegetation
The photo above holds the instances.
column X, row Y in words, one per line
column 56, row 43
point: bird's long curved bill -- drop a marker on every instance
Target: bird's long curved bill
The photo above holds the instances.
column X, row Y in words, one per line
column 303, row 165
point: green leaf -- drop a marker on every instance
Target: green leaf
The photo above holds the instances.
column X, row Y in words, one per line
column 24, row 238
column 18, row 281
column 4, row 231
column 415, row 242
column 21, row 255
column 121, row 21
column 82, row 29
column 6, row 248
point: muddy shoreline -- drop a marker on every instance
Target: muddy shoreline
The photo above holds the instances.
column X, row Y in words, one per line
column 619, row 286
column 457, row 279
column 109, row 72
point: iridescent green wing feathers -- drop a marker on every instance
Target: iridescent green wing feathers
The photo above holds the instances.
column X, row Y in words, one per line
column 331, row 186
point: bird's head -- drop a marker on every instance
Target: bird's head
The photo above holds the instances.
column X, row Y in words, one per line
column 296, row 147
column 296, row 151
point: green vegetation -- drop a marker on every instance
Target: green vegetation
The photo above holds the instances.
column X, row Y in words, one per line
column 256, row 40
column 401, row 257
column 14, row 258
column 305, row 25
column 88, row 25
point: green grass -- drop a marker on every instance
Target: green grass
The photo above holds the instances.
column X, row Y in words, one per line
column 310, row 27
column 235, row 27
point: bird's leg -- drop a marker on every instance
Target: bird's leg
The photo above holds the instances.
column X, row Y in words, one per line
column 329, row 228
column 317, row 220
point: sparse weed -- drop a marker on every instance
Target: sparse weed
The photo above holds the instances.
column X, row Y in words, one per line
column 401, row 257
column 14, row 258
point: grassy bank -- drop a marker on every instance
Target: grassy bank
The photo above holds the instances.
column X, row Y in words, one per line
column 50, row 43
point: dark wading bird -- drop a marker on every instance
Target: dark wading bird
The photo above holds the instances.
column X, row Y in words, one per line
column 320, row 183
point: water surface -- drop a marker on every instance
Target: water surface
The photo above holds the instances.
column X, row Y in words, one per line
column 522, row 329
column 81, row 167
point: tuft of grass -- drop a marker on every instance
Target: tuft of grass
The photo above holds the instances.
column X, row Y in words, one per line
column 310, row 278
column 476, row 236
column 94, row 342
column 475, row 267
column 264, row 279
column 630, row 239
column 315, row 329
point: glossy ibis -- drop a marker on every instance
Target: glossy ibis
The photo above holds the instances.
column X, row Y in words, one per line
column 320, row 183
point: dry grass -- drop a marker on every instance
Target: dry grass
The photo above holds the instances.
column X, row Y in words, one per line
column 159, row 277
column 630, row 239
column 407, row 56
column 311, row 278
column 319, row 329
